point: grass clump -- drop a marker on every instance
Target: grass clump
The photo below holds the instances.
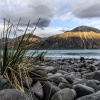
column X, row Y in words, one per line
column 14, row 65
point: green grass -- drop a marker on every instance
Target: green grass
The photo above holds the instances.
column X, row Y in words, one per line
column 13, row 62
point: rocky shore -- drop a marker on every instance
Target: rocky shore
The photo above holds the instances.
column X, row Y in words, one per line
column 67, row 79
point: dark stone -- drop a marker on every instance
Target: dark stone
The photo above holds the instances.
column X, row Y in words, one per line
column 64, row 94
column 94, row 96
column 64, row 85
column 83, row 90
column 91, row 84
column 49, row 90
column 12, row 94
column 37, row 90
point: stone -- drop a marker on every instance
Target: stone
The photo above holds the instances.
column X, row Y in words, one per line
column 38, row 90
column 13, row 94
column 94, row 96
column 96, row 75
column 49, row 69
column 49, row 90
column 4, row 84
column 27, row 81
column 57, row 79
column 38, row 74
column 92, row 68
column 69, row 79
column 64, row 85
column 64, row 94
column 91, row 84
column 83, row 90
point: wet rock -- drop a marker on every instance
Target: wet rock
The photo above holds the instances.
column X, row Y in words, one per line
column 64, row 94
column 83, row 90
column 12, row 94
column 94, row 96
column 49, row 90
column 37, row 90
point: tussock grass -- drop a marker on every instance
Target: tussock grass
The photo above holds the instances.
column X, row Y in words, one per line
column 12, row 59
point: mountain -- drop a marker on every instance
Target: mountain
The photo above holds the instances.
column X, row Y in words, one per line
column 82, row 37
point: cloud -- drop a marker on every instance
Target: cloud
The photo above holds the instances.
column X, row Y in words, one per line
column 87, row 9
column 28, row 10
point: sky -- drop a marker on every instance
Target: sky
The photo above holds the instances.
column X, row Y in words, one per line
column 56, row 16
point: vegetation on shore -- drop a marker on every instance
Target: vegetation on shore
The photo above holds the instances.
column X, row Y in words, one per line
column 14, row 65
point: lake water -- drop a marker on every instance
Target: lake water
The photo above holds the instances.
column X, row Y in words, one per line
column 62, row 54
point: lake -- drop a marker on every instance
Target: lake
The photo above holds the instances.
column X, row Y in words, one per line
column 63, row 54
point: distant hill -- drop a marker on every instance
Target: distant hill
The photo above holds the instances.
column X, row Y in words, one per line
column 82, row 37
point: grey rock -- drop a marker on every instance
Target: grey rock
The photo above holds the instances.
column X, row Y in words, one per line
column 4, row 84
column 64, row 85
column 92, row 68
column 96, row 75
column 27, row 81
column 83, row 90
column 64, row 94
column 94, row 96
column 49, row 90
column 12, row 94
column 91, row 84
column 37, row 90
column 69, row 79
column 57, row 79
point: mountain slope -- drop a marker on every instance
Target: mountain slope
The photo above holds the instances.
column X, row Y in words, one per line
column 78, row 38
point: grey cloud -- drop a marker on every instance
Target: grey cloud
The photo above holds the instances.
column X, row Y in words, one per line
column 30, row 11
column 87, row 9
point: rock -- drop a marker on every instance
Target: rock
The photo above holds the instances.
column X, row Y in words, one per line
column 12, row 94
column 37, row 90
column 69, row 79
column 96, row 75
column 92, row 68
column 4, row 84
column 64, row 85
column 38, row 74
column 49, row 90
column 94, row 96
column 79, row 81
column 64, row 94
column 82, row 59
column 81, row 65
column 91, row 84
column 49, row 69
column 27, row 81
column 82, row 90
column 57, row 79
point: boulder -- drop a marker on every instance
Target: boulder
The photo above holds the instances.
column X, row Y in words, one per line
column 64, row 94
column 12, row 94
column 64, row 85
column 96, row 75
column 37, row 90
column 94, row 96
column 83, row 90
column 92, row 84
column 4, row 84
column 49, row 90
